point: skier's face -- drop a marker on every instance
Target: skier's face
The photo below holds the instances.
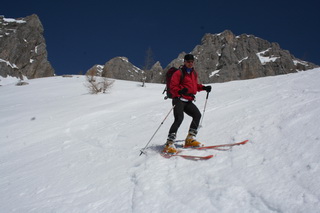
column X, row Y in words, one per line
column 189, row 63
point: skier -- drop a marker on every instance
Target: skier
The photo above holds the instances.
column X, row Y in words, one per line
column 183, row 94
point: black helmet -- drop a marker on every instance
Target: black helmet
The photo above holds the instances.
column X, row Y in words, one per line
column 189, row 57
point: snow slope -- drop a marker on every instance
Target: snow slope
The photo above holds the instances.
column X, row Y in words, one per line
column 64, row 150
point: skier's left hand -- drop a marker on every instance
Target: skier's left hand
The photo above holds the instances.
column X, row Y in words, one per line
column 207, row 88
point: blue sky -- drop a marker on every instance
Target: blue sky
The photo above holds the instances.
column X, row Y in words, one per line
column 80, row 34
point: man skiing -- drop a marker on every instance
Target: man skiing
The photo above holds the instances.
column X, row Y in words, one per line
column 183, row 93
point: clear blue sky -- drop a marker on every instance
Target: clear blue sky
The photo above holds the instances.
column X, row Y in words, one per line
column 80, row 34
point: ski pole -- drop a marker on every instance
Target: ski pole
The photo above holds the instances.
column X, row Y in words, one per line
column 204, row 110
column 142, row 150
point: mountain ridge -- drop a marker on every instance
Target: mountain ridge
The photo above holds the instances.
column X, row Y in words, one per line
column 223, row 57
column 219, row 57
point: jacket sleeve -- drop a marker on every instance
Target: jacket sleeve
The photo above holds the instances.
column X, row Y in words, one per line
column 200, row 87
column 175, row 84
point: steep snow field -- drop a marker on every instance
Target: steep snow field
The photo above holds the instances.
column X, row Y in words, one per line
column 64, row 150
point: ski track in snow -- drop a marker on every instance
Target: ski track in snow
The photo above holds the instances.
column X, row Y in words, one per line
column 63, row 150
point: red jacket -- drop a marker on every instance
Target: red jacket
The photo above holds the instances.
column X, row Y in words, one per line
column 190, row 81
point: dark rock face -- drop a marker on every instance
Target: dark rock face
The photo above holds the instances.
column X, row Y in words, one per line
column 226, row 57
column 121, row 68
column 23, row 48
column 155, row 74
column 219, row 58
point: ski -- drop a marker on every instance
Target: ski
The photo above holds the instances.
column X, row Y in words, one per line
column 189, row 157
column 222, row 147
column 218, row 147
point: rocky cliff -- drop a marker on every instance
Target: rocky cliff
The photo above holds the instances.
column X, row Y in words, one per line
column 121, row 68
column 23, row 48
column 225, row 57
column 219, row 58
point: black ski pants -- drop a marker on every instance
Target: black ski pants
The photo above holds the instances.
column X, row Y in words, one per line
column 180, row 108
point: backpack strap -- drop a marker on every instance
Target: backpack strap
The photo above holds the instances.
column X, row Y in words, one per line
column 182, row 74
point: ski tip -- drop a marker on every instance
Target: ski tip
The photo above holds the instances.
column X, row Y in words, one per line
column 207, row 157
column 245, row 141
column 197, row 157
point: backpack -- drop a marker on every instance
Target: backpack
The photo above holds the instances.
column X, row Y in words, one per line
column 168, row 81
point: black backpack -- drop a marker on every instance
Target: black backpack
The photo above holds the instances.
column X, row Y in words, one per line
column 168, row 81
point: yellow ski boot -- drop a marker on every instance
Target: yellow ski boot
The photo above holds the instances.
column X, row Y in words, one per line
column 191, row 141
column 169, row 147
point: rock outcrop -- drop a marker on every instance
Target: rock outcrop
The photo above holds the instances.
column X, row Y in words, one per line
column 121, row 68
column 219, row 58
column 226, row 57
column 23, row 48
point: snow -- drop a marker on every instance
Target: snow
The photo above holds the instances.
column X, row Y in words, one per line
column 8, row 63
column 64, row 150
column 213, row 73
column 245, row 58
column 8, row 80
column 124, row 59
column 14, row 20
column 264, row 59
column 296, row 62
column 300, row 62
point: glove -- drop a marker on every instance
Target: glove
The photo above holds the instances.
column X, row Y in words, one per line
column 183, row 91
column 207, row 88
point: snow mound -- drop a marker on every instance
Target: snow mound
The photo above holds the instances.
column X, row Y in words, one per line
column 64, row 150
